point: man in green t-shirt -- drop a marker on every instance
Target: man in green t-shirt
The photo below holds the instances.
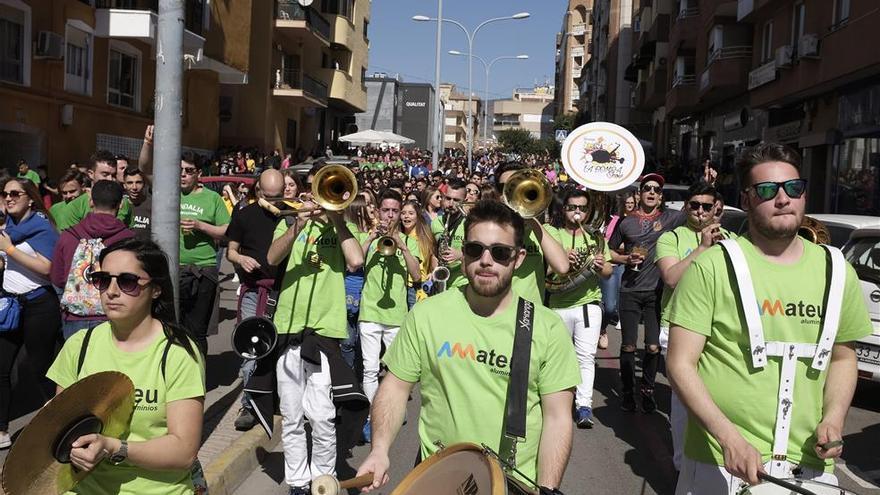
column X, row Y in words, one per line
column 318, row 249
column 71, row 187
column 528, row 281
column 383, row 304
column 451, row 225
column 203, row 221
column 102, row 166
column 580, row 307
column 458, row 347
column 676, row 250
column 25, row 172
column 728, row 355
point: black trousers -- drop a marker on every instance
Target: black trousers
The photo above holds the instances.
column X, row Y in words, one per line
column 39, row 331
column 198, row 291
column 635, row 307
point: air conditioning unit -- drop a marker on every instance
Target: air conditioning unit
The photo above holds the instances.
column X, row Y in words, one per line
column 783, row 57
column 49, row 45
column 662, row 62
column 808, row 46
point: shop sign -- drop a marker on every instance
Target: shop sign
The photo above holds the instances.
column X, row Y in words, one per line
column 762, row 75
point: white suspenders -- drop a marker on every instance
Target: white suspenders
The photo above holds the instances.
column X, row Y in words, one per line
column 789, row 352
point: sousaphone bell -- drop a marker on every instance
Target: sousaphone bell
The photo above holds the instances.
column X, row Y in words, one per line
column 527, row 192
column 39, row 461
column 254, row 337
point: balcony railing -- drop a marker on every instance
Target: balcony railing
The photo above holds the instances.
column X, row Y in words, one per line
column 684, row 80
column 728, row 52
column 290, row 10
column 578, row 29
column 293, row 78
column 577, row 51
column 194, row 11
column 686, row 12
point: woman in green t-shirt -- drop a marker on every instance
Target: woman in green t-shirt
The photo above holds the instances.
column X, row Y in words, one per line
column 143, row 340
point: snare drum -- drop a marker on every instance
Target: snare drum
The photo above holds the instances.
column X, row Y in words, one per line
column 462, row 468
column 768, row 488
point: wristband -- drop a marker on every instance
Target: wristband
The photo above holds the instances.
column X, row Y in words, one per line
column 9, row 250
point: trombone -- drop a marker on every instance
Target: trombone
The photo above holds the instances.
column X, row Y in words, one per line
column 334, row 189
column 527, row 192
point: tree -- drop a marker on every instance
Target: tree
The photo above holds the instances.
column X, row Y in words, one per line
column 567, row 121
column 518, row 141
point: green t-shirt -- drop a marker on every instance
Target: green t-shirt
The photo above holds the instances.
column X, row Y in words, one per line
column 443, row 342
column 31, row 176
column 456, row 278
column 184, row 379
column 589, row 291
column 196, row 247
column 790, row 298
column 58, row 210
column 313, row 288
column 383, row 299
column 528, row 279
column 78, row 209
column 678, row 243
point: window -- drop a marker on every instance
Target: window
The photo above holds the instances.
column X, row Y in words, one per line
column 366, row 30
column 363, row 75
column 797, row 26
column 15, row 45
column 344, row 8
column 767, row 42
column 841, row 11
column 78, row 59
column 123, row 80
column 716, row 42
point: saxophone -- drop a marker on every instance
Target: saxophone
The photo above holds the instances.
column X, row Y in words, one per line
column 442, row 273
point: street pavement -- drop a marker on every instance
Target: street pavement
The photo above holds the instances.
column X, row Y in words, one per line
column 624, row 454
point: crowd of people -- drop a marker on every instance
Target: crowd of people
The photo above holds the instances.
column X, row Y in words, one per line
column 434, row 274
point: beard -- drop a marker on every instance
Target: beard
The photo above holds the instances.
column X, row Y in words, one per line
column 490, row 288
column 778, row 231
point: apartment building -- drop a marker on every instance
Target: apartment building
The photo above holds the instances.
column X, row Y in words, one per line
column 606, row 88
column 400, row 107
column 531, row 109
column 306, row 78
column 76, row 75
column 455, row 111
column 573, row 51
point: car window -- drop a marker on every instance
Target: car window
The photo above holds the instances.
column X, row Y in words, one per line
column 839, row 234
column 864, row 255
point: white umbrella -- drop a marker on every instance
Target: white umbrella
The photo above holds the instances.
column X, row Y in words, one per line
column 392, row 138
column 365, row 137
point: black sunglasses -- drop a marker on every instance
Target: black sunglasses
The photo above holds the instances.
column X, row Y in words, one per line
column 502, row 253
column 794, row 188
column 188, row 170
column 11, row 194
column 582, row 208
column 656, row 189
column 696, row 205
column 128, row 283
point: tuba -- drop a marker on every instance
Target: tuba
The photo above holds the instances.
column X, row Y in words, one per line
column 527, row 192
column 814, row 231
column 581, row 269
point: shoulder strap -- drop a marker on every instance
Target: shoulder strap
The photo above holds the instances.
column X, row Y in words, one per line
column 518, row 386
column 747, row 300
column 82, row 351
column 168, row 345
column 834, row 302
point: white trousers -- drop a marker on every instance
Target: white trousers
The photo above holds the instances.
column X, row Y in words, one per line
column 304, row 390
column 678, row 415
column 697, row 478
column 373, row 335
column 585, row 335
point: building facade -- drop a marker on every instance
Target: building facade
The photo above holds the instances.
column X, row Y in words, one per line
column 607, row 91
column 400, row 107
column 455, row 111
column 531, row 109
column 573, row 51
column 78, row 75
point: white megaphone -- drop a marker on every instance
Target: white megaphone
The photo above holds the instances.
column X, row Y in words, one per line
column 254, row 337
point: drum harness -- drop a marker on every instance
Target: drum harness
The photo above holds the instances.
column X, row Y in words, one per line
column 790, row 352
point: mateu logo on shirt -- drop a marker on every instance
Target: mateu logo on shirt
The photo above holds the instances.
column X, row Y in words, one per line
column 146, row 399
column 809, row 313
column 497, row 362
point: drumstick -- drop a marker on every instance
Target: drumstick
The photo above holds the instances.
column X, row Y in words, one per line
column 328, row 485
column 359, row 482
column 785, row 484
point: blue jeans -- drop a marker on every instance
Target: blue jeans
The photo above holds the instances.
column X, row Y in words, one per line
column 349, row 346
column 248, row 309
column 69, row 328
column 611, row 294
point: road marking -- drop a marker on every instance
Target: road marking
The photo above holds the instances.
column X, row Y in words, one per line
column 864, row 484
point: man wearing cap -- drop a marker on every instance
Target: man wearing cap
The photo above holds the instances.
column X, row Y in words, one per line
column 635, row 240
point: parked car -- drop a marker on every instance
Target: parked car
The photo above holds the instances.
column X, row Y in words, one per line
column 841, row 226
column 217, row 182
column 302, row 169
column 863, row 252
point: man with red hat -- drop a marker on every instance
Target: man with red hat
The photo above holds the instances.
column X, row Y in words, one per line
column 641, row 288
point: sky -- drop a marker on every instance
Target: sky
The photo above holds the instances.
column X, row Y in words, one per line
column 399, row 45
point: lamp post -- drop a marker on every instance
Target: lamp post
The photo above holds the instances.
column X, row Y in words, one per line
column 488, row 67
column 470, row 37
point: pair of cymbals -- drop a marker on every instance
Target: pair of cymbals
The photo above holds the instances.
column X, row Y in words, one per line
column 39, row 461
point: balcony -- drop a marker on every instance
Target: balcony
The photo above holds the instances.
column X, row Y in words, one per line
column 138, row 19
column 727, row 73
column 652, row 91
column 298, row 24
column 578, row 29
column 343, row 33
column 655, row 29
column 686, row 25
column 344, row 91
column 577, row 51
column 681, row 98
column 299, row 88
column 576, row 71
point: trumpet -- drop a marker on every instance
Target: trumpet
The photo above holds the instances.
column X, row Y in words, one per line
column 527, row 192
column 335, row 188
column 386, row 245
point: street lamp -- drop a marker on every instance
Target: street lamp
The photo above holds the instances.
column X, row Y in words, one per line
column 488, row 67
column 470, row 37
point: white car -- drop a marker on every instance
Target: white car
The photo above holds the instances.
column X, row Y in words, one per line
column 863, row 252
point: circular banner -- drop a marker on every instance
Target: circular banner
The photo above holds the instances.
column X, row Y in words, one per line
column 603, row 156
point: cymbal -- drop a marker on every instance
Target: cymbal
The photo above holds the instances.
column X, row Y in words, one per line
column 39, row 461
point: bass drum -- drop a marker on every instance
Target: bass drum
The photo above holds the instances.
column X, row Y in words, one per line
column 812, row 486
column 460, row 469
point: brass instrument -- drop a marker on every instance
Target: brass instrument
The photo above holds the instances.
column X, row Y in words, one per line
column 386, row 245
column 335, row 188
column 581, row 269
column 814, row 231
column 442, row 273
column 527, row 192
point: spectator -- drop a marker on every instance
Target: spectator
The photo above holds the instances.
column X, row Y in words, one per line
column 141, row 202
column 102, row 167
column 25, row 172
